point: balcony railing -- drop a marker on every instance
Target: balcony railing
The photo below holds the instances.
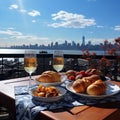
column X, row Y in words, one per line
column 14, row 68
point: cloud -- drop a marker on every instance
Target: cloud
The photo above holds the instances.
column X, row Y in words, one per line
column 10, row 32
column 117, row 28
column 23, row 11
column 19, row 38
column 100, row 26
column 14, row 6
column 30, row 38
column 34, row 13
column 34, row 21
column 70, row 20
column 17, row 7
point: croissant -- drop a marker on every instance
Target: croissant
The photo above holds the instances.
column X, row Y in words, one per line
column 97, row 88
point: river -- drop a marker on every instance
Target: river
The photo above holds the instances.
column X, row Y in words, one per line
column 21, row 51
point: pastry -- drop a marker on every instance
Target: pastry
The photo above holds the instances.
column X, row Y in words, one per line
column 49, row 77
column 81, row 85
column 97, row 88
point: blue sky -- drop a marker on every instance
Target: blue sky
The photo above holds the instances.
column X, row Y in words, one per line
column 46, row 21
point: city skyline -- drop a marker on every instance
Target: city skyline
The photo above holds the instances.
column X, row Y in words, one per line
column 45, row 21
column 83, row 46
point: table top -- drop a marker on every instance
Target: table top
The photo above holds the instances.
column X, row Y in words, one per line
column 106, row 111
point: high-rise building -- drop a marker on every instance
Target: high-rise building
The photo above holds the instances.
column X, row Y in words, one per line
column 83, row 41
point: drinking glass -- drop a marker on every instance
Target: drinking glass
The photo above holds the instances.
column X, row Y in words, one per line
column 30, row 63
column 58, row 60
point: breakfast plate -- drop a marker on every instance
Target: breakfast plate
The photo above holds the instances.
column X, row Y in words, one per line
column 112, row 89
column 63, row 79
column 48, row 99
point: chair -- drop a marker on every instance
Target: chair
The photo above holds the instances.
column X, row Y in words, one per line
column 4, row 115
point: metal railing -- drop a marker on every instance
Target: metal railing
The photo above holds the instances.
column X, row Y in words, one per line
column 15, row 68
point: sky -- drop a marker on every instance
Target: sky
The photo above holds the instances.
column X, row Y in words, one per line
column 45, row 21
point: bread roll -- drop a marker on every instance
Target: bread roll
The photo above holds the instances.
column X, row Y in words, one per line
column 93, row 71
column 79, row 86
column 49, row 77
column 96, row 88
column 87, row 82
column 92, row 78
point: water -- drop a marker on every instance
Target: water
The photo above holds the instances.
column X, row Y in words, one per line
column 21, row 51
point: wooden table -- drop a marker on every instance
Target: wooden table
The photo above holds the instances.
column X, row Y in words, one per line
column 106, row 111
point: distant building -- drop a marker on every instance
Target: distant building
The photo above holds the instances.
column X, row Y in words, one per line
column 89, row 43
column 83, row 41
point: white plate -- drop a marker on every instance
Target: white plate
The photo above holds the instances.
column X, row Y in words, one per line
column 48, row 99
column 63, row 78
column 112, row 89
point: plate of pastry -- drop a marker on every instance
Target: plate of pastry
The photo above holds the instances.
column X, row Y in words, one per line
column 97, row 90
column 47, row 93
column 48, row 78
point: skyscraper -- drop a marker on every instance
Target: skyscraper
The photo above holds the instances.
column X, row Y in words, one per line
column 83, row 41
